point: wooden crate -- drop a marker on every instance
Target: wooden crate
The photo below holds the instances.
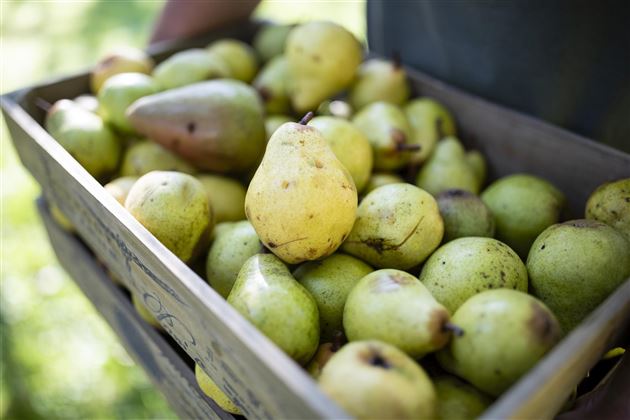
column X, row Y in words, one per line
column 249, row 368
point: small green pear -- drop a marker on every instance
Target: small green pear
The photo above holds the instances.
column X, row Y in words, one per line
column 212, row 390
column 144, row 312
column 233, row 244
column 397, row 226
column 174, row 207
column 466, row 266
column 478, row 164
column 187, row 67
column 394, row 307
column 430, row 121
column 523, row 206
column 330, row 281
column 273, row 122
column 574, row 266
column 270, row 40
column 123, row 60
column 239, row 57
column 379, row 80
column 226, row 196
column 375, row 380
column 272, row 85
column 119, row 188
column 267, row 295
column 610, row 203
column 457, row 400
column 505, row 333
column 145, row 156
column 350, row 146
column 464, row 214
column 323, row 59
column 378, row 179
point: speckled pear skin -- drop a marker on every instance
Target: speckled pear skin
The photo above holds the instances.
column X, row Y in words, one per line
column 378, row 179
column 574, row 266
column 386, row 128
column 272, row 82
column 234, row 243
column 458, row 400
column 506, row 332
column 429, row 122
column 212, row 390
column 375, row 380
column 187, row 67
column 301, row 201
column 330, row 281
column 267, row 295
column 379, row 80
column 174, row 207
column 394, row 307
column 239, row 57
column 397, row 226
column 350, row 146
column 610, row 203
column 226, row 196
column 145, row 156
column 464, row 267
column 523, row 206
column 464, row 215
column 119, row 188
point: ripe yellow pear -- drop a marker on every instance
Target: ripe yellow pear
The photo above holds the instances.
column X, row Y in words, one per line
column 212, row 390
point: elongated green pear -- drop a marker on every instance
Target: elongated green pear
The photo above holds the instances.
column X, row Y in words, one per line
column 122, row 60
column 447, row 168
column 189, row 66
column 610, row 203
column 379, row 80
column 145, row 156
column 226, row 196
column 301, row 200
column 430, row 121
column 273, row 85
column 267, row 295
column 270, row 40
column 239, row 57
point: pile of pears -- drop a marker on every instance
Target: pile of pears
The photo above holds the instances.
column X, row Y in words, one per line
column 344, row 218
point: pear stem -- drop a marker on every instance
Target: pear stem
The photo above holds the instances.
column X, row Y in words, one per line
column 43, row 104
column 406, row 147
column 305, row 119
column 457, row 331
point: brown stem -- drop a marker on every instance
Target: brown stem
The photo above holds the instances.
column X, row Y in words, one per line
column 305, row 119
column 456, row 330
column 43, row 104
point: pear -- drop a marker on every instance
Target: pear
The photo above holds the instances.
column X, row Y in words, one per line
column 394, row 307
column 387, row 130
column 212, row 390
column 324, row 352
column 375, row 380
column 430, row 121
column 330, row 281
column 301, row 200
column 574, row 266
column 397, row 226
column 61, row 219
column 323, row 58
column 85, row 136
column 174, row 207
column 458, row 400
column 119, row 188
column 273, row 122
column 226, row 196
column 239, row 57
column 506, row 332
column 447, row 168
column 145, row 156
column 523, row 206
column 335, row 108
column 466, row 266
column 233, row 244
column 123, row 60
column 610, row 203
column 216, row 125
column 350, row 146
column 379, row 80
column 378, row 179
column 464, row 214
column 89, row 102
column 143, row 311
column 267, row 295
column 478, row 164
column 120, row 91
column 189, row 66
column 270, row 40
column 272, row 84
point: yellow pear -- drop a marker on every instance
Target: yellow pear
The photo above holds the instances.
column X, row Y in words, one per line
column 211, row 389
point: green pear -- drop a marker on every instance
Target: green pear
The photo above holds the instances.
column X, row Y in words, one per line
column 123, row 60
column 301, row 200
column 350, row 146
column 523, row 206
column 226, row 196
column 272, row 85
column 145, row 156
column 574, row 266
column 375, row 380
column 478, row 164
column 239, row 57
column 119, row 188
column 379, row 80
column 335, row 108
column 212, row 390
column 397, row 226
column 273, row 122
column 464, row 214
column 270, row 40
column 447, row 169
column 216, row 125
column 174, row 207
column 120, row 91
column 378, row 179
column 323, row 58
column 144, row 312
column 610, row 203
column 466, row 266
column 89, row 102
column 234, row 243
column 188, row 67
column 458, row 400
column 506, row 332
column 330, row 281
column 387, row 130
column 85, row 136
column 430, row 121
column 267, row 295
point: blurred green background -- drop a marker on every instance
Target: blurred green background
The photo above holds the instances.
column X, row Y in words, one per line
column 59, row 358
